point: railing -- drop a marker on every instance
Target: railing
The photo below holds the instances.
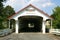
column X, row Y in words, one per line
column 55, row 31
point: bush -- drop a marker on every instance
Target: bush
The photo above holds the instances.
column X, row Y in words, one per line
column 2, row 27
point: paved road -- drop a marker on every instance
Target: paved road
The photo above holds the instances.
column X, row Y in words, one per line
column 29, row 36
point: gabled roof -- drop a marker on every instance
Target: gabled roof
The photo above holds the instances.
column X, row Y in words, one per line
column 27, row 7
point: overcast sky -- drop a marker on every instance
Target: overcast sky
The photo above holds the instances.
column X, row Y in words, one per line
column 45, row 5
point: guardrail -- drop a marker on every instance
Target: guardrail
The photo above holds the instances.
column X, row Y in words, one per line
column 55, row 31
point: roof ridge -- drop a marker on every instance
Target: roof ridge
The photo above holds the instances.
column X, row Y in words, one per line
column 32, row 6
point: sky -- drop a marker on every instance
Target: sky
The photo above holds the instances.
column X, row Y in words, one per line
column 46, row 5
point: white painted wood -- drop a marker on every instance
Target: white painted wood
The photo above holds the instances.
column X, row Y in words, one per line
column 31, row 13
column 43, row 27
column 16, row 26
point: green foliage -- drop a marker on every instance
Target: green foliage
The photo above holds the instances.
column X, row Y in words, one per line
column 8, row 11
column 4, row 13
column 2, row 0
column 2, row 27
column 1, row 10
column 56, row 16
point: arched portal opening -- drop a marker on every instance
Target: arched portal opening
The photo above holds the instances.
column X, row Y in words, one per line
column 12, row 24
column 48, row 25
column 30, row 24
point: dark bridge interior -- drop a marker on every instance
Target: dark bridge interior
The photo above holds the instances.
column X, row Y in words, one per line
column 30, row 24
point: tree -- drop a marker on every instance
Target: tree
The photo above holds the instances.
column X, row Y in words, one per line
column 1, row 6
column 4, row 13
column 56, row 16
column 2, row 0
column 8, row 11
column 1, row 10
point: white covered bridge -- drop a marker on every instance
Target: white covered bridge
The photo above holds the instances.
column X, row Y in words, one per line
column 30, row 19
